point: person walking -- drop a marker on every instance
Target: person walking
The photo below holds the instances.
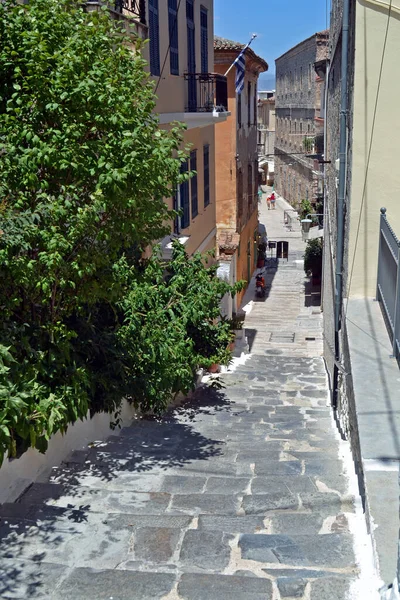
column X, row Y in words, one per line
column 269, row 202
column 273, row 200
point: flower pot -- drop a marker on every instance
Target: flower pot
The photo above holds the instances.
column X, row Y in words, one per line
column 214, row 368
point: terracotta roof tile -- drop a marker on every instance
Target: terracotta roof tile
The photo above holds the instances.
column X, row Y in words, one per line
column 221, row 43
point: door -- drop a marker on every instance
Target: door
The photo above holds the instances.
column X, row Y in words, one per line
column 282, row 250
column 191, row 52
column 249, row 270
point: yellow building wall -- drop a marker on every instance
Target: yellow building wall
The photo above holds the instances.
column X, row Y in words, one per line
column 171, row 93
column 383, row 172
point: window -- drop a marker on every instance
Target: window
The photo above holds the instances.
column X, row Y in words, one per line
column 204, row 39
column 173, row 37
column 301, row 127
column 175, row 206
column 239, row 110
column 255, row 104
column 301, row 78
column 206, row 170
column 248, row 103
column 184, row 196
column 255, row 180
column 154, row 36
column 240, row 193
column 249, row 186
column 193, row 184
column 309, row 76
column 191, row 56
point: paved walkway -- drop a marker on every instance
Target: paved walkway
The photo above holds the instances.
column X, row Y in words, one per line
column 237, row 494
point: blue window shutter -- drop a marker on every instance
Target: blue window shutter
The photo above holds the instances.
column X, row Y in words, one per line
column 154, row 34
column 184, row 189
column 176, row 208
column 193, row 184
column 173, row 37
column 206, row 167
column 204, row 39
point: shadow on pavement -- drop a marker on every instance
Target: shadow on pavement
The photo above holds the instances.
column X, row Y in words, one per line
column 91, row 493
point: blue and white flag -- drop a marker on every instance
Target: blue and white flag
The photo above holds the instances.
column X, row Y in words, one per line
column 240, row 63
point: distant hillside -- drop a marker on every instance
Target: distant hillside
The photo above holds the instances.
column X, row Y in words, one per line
column 266, row 81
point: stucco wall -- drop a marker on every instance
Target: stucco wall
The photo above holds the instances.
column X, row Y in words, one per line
column 376, row 174
column 172, row 92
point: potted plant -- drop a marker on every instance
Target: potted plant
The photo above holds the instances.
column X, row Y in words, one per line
column 313, row 260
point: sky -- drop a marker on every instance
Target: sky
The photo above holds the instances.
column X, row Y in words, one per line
column 279, row 24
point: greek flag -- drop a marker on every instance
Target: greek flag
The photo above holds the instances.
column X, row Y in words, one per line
column 240, row 63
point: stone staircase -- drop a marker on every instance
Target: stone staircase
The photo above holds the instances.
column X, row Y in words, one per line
column 238, row 493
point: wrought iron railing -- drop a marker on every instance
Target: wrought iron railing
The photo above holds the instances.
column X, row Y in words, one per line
column 136, row 8
column 206, row 92
column 388, row 284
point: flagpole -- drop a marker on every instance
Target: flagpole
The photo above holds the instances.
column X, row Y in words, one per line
column 241, row 52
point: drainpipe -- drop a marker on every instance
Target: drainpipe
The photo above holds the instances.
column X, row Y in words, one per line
column 341, row 194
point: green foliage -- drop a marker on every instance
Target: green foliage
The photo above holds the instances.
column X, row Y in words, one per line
column 306, row 208
column 309, row 144
column 313, row 258
column 84, row 171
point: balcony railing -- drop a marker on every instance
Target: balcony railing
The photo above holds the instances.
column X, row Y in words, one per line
column 388, row 285
column 134, row 8
column 206, row 92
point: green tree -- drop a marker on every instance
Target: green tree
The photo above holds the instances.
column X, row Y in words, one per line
column 83, row 172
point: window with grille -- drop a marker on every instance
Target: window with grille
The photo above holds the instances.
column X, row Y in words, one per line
column 154, row 35
column 184, row 194
column 206, row 170
column 204, row 39
column 173, row 37
column 193, row 184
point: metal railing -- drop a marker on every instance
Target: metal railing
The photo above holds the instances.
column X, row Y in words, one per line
column 290, row 219
column 135, row 8
column 206, row 92
column 388, row 282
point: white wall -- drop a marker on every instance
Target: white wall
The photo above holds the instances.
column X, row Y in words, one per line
column 17, row 474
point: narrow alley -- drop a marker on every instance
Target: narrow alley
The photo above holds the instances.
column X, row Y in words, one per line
column 239, row 493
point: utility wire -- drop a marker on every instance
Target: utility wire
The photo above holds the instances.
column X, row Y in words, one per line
column 369, row 153
column 169, row 47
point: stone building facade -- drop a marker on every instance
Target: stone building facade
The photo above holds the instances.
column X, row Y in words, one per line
column 266, row 136
column 299, row 126
column 236, row 167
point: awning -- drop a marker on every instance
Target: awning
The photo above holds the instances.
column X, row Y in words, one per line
column 263, row 162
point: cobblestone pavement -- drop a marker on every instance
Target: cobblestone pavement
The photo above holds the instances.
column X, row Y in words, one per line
column 236, row 494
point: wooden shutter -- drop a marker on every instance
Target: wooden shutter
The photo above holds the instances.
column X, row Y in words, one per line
column 204, row 39
column 206, row 170
column 193, row 184
column 154, row 34
column 173, row 37
column 184, row 189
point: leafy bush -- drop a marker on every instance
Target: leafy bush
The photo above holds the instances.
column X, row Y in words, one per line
column 305, row 208
column 313, row 258
column 84, row 172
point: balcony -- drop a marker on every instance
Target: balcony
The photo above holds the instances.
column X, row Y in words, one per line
column 388, row 284
column 206, row 92
column 132, row 8
column 131, row 12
